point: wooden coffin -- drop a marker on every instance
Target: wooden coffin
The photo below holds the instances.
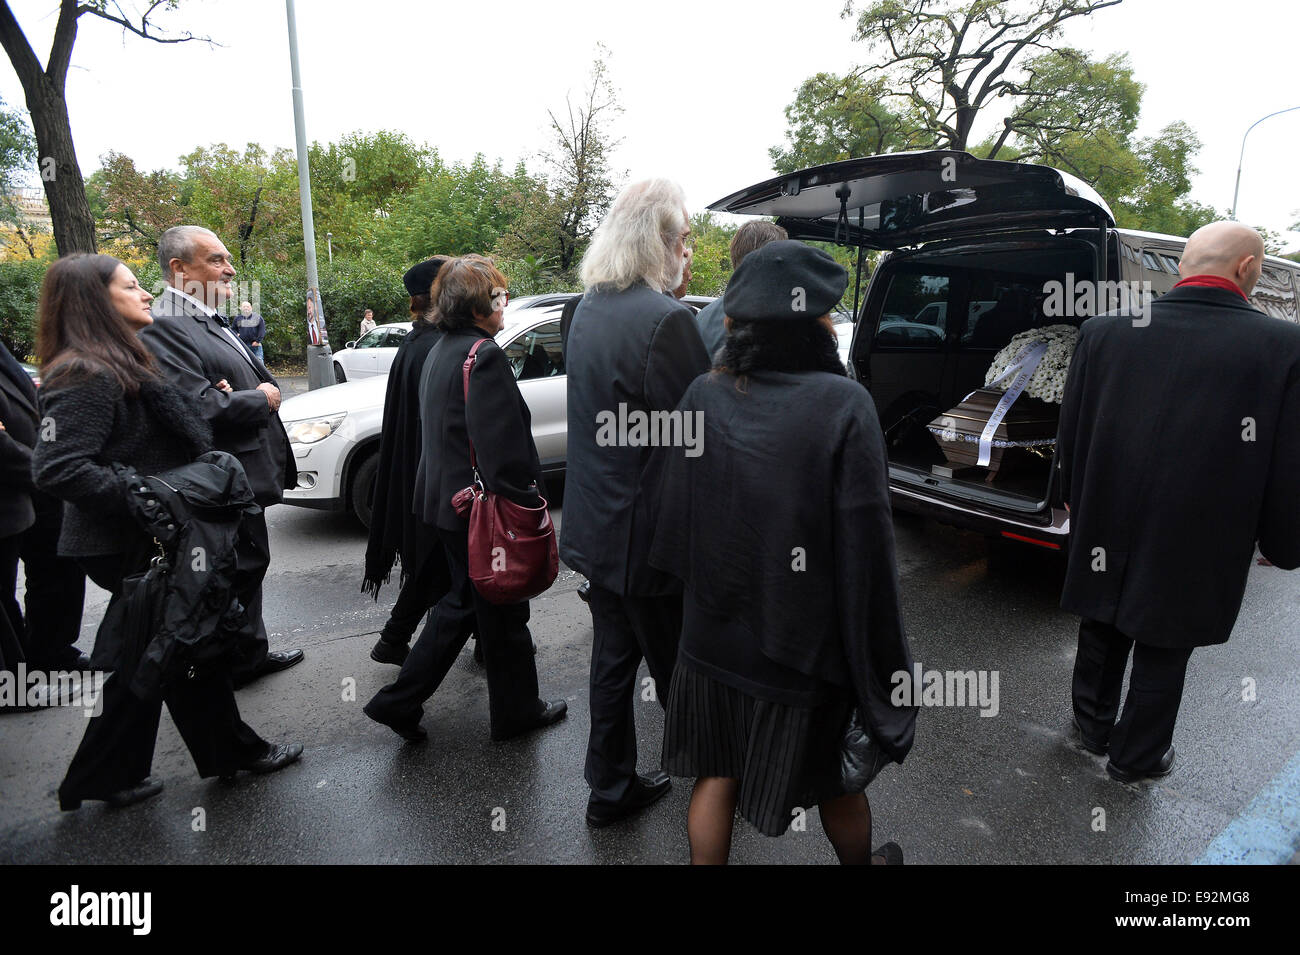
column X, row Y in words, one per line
column 1028, row 423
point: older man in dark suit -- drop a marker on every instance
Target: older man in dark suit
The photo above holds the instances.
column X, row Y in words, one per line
column 631, row 351
column 1180, row 451
column 199, row 353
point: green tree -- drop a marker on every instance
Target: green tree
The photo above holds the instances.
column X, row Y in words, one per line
column 17, row 157
column 837, row 117
column 43, row 86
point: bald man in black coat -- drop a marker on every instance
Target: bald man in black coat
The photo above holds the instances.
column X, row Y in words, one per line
column 1179, row 446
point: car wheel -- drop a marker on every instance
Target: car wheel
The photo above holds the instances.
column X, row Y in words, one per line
column 363, row 489
column 339, row 376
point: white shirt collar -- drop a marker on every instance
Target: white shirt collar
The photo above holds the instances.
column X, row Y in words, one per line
column 210, row 312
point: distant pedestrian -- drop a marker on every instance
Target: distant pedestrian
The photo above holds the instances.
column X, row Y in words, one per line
column 251, row 329
column 748, row 238
column 779, row 524
column 469, row 296
column 396, row 533
column 367, row 323
column 103, row 395
column 631, row 351
column 195, row 350
column 1179, row 445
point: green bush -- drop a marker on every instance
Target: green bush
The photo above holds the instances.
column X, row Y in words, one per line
column 20, row 293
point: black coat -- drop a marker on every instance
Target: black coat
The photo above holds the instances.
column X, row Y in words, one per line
column 97, row 426
column 194, row 353
column 783, row 522
column 1170, row 485
column 394, row 531
column 18, row 414
column 498, row 421
column 637, row 348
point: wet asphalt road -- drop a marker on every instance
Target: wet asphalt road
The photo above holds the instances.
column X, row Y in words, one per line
column 1009, row 788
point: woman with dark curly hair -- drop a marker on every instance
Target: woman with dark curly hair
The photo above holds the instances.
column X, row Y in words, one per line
column 103, row 403
column 780, row 528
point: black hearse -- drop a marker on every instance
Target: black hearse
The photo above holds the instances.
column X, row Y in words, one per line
column 970, row 246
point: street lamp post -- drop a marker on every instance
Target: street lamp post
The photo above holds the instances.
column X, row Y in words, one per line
column 1237, row 187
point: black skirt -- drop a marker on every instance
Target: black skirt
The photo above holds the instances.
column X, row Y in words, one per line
column 787, row 758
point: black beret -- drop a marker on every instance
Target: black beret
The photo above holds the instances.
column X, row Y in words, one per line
column 419, row 278
column 784, row 280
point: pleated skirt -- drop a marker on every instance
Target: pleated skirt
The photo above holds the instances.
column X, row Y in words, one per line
column 786, row 758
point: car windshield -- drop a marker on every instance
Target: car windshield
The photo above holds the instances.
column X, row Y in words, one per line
column 371, row 339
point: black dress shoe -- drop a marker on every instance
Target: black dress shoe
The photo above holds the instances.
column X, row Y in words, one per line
column 280, row 756
column 385, row 651
column 412, row 732
column 1162, row 769
column 1091, row 745
column 275, row 661
column 890, row 852
column 552, row 712
column 584, row 591
column 144, row 789
column 643, row 791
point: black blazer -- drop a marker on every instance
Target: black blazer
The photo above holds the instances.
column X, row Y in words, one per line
column 638, row 348
column 1180, row 448
column 18, row 413
column 194, row 353
column 497, row 420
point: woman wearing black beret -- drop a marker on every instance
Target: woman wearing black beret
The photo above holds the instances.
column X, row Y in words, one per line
column 780, row 528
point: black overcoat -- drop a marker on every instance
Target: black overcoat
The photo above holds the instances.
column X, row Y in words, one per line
column 498, row 420
column 783, row 522
column 18, row 413
column 194, row 353
column 637, row 348
column 1180, row 449
column 394, row 530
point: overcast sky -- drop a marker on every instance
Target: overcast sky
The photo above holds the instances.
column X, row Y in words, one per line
column 703, row 83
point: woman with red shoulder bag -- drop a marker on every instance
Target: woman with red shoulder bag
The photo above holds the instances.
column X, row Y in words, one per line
column 476, row 433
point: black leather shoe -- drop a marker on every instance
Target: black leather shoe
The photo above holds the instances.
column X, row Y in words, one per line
column 411, row 732
column 385, row 651
column 280, row 756
column 1091, row 745
column 584, row 591
column 144, row 789
column 275, row 661
column 552, row 712
column 890, row 852
column 1162, row 769
column 644, row 791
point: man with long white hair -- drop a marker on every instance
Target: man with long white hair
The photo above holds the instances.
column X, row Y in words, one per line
column 632, row 350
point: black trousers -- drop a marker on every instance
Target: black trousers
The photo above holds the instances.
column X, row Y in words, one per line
column 626, row 629
column 253, row 558
column 1146, row 728
column 117, row 750
column 424, row 587
column 502, row 634
column 56, row 588
column 11, row 618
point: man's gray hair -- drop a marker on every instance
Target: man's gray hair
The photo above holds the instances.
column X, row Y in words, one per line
column 637, row 241
column 178, row 243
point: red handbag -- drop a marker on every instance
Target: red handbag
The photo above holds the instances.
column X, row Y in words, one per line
column 512, row 552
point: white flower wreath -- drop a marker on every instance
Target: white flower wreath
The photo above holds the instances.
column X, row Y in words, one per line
column 1048, row 380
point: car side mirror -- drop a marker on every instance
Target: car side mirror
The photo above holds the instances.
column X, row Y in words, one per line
column 350, row 345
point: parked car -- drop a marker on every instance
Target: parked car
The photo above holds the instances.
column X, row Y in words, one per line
column 970, row 245
column 334, row 431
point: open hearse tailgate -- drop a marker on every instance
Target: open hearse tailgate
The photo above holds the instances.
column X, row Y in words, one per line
column 901, row 199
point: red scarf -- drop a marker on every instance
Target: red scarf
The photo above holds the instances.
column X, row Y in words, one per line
column 1212, row 281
